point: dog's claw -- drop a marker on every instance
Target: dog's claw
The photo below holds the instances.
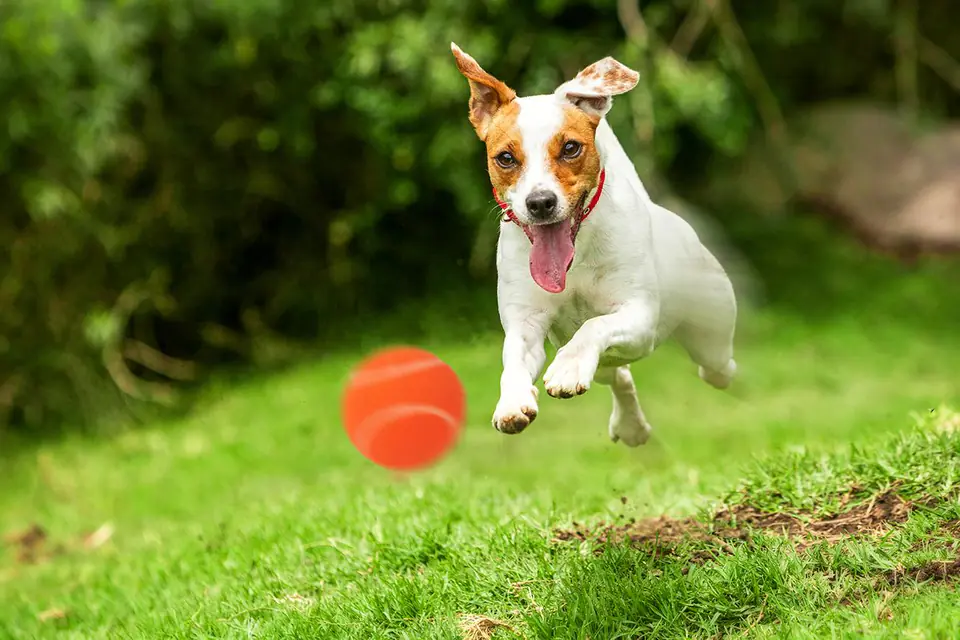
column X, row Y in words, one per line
column 570, row 374
column 566, row 393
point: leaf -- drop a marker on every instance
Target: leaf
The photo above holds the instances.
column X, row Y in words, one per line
column 51, row 614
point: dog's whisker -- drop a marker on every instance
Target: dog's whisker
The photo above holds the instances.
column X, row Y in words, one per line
column 496, row 211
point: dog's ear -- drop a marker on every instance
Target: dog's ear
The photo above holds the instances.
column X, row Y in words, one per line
column 487, row 94
column 594, row 87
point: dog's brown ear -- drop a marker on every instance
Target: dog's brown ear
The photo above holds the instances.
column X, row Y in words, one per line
column 487, row 94
column 594, row 87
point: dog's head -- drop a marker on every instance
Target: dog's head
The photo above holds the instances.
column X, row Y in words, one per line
column 541, row 153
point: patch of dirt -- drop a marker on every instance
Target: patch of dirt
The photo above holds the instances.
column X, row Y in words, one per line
column 951, row 527
column 945, row 536
column 937, row 571
column 33, row 544
column 663, row 534
column 27, row 544
column 867, row 518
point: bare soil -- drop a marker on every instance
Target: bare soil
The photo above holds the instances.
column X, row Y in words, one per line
column 664, row 534
column 936, row 571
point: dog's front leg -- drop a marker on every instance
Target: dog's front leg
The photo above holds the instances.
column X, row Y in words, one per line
column 523, row 359
column 628, row 334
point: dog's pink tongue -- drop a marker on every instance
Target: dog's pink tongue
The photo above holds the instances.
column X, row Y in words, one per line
column 551, row 255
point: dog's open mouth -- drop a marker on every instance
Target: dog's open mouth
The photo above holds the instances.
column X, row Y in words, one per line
column 551, row 254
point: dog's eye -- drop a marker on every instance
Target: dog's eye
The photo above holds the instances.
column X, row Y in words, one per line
column 506, row 160
column 572, row 149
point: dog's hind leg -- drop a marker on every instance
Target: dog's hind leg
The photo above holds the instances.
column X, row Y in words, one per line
column 708, row 326
column 627, row 422
column 711, row 347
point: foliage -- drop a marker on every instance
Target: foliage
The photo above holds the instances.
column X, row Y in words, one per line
column 203, row 182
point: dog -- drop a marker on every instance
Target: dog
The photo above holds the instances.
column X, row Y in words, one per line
column 585, row 259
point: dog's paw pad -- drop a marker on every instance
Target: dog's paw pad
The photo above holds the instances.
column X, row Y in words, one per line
column 512, row 424
column 514, row 415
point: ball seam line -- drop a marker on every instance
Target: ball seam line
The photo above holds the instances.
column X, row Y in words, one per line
column 366, row 430
column 366, row 378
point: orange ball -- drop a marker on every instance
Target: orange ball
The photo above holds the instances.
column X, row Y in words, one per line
column 403, row 408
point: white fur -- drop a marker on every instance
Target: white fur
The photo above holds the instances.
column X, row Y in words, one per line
column 539, row 121
column 640, row 275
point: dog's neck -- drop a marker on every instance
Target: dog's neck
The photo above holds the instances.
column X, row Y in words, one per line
column 620, row 213
column 617, row 162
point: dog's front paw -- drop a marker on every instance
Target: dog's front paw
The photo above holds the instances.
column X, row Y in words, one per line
column 570, row 373
column 515, row 412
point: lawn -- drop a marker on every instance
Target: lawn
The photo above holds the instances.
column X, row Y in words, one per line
column 254, row 517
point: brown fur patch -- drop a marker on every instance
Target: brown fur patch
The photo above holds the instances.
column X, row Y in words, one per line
column 487, row 94
column 608, row 77
column 578, row 175
column 504, row 135
column 619, row 76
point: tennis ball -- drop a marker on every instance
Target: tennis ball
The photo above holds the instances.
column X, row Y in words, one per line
column 403, row 408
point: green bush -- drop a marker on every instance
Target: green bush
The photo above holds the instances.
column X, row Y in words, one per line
column 182, row 180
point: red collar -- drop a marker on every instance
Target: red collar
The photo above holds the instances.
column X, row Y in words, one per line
column 581, row 216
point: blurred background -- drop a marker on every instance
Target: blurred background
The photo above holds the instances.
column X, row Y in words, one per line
column 192, row 190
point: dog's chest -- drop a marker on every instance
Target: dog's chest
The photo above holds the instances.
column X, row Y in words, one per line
column 588, row 295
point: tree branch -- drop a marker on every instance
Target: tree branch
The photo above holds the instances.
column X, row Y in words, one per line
column 768, row 108
column 113, row 359
column 736, row 41
column 628, row 11
column 157, row 361
column 940, row 62
column 641, row 98
column 692, row 27
column 905, row 47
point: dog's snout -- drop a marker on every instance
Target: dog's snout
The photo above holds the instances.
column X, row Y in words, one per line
column 541, row 204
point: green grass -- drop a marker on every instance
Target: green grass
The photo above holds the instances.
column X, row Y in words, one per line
column 254, row 517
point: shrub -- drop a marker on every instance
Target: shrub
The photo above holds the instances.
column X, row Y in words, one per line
column 183, row 180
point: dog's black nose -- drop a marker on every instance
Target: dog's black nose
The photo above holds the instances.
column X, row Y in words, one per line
column 541, row 204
